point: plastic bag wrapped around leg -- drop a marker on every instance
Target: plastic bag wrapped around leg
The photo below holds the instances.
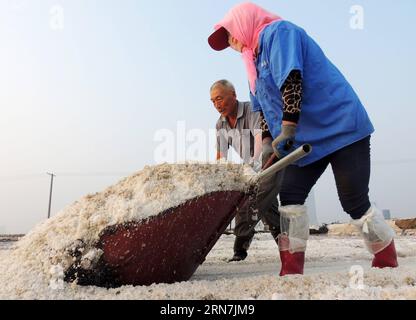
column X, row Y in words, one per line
column 295, row 228
column 377, row 234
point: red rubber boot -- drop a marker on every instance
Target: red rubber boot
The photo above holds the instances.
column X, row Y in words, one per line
column 292, row 263
column 386, row 258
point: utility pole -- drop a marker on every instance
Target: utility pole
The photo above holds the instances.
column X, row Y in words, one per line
column 50, row 194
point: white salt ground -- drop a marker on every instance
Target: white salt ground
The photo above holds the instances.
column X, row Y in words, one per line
column 151, row 191
column 336, row 268
column 33, row 269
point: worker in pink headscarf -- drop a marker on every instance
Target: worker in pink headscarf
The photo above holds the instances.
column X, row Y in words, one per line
column 304, row 98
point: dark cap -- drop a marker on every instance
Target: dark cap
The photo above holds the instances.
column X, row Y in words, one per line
column 219, row 39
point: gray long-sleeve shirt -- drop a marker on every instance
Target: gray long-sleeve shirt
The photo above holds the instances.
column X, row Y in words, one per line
column 241, row 138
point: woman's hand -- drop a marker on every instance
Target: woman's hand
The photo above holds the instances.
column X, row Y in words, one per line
column 283, row 144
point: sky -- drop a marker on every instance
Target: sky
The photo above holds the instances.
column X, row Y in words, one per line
column 94, row 90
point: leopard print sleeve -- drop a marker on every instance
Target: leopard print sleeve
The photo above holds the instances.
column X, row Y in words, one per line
column 292, row 97
column 264, row 127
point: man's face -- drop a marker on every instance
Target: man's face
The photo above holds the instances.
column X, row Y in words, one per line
column 224, row 100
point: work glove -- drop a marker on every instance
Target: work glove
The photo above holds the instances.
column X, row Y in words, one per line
column 284, row 144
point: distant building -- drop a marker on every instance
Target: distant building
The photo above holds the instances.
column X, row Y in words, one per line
column 387, row 214
column 311, row 204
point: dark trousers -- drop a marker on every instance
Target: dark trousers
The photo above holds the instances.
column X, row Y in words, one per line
column 351, row 167
column 245, row 224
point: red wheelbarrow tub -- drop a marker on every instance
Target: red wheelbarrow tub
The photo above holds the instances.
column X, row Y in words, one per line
column 170, row 247
column 166, row 248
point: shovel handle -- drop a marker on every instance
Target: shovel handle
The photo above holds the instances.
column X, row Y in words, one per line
column 296, row 155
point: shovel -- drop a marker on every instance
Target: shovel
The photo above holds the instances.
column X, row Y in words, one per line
column 265, row 186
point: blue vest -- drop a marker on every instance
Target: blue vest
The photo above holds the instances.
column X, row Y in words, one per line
column 332, row 115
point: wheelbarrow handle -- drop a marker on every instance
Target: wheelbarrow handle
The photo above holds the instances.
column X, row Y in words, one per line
column 296, row 155
column 272, row 160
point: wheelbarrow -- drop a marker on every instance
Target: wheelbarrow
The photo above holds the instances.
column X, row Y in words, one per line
column 170, row 247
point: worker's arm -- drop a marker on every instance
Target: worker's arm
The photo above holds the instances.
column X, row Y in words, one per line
column 258, row 146
column 292, row 107
column 222, row 144
column 292, row 98
column 267, row 149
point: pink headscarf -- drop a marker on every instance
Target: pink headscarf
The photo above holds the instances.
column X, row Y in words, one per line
column 245, row 22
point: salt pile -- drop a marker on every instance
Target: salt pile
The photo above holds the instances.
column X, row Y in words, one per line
column 351, row 230
column 39, row 261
